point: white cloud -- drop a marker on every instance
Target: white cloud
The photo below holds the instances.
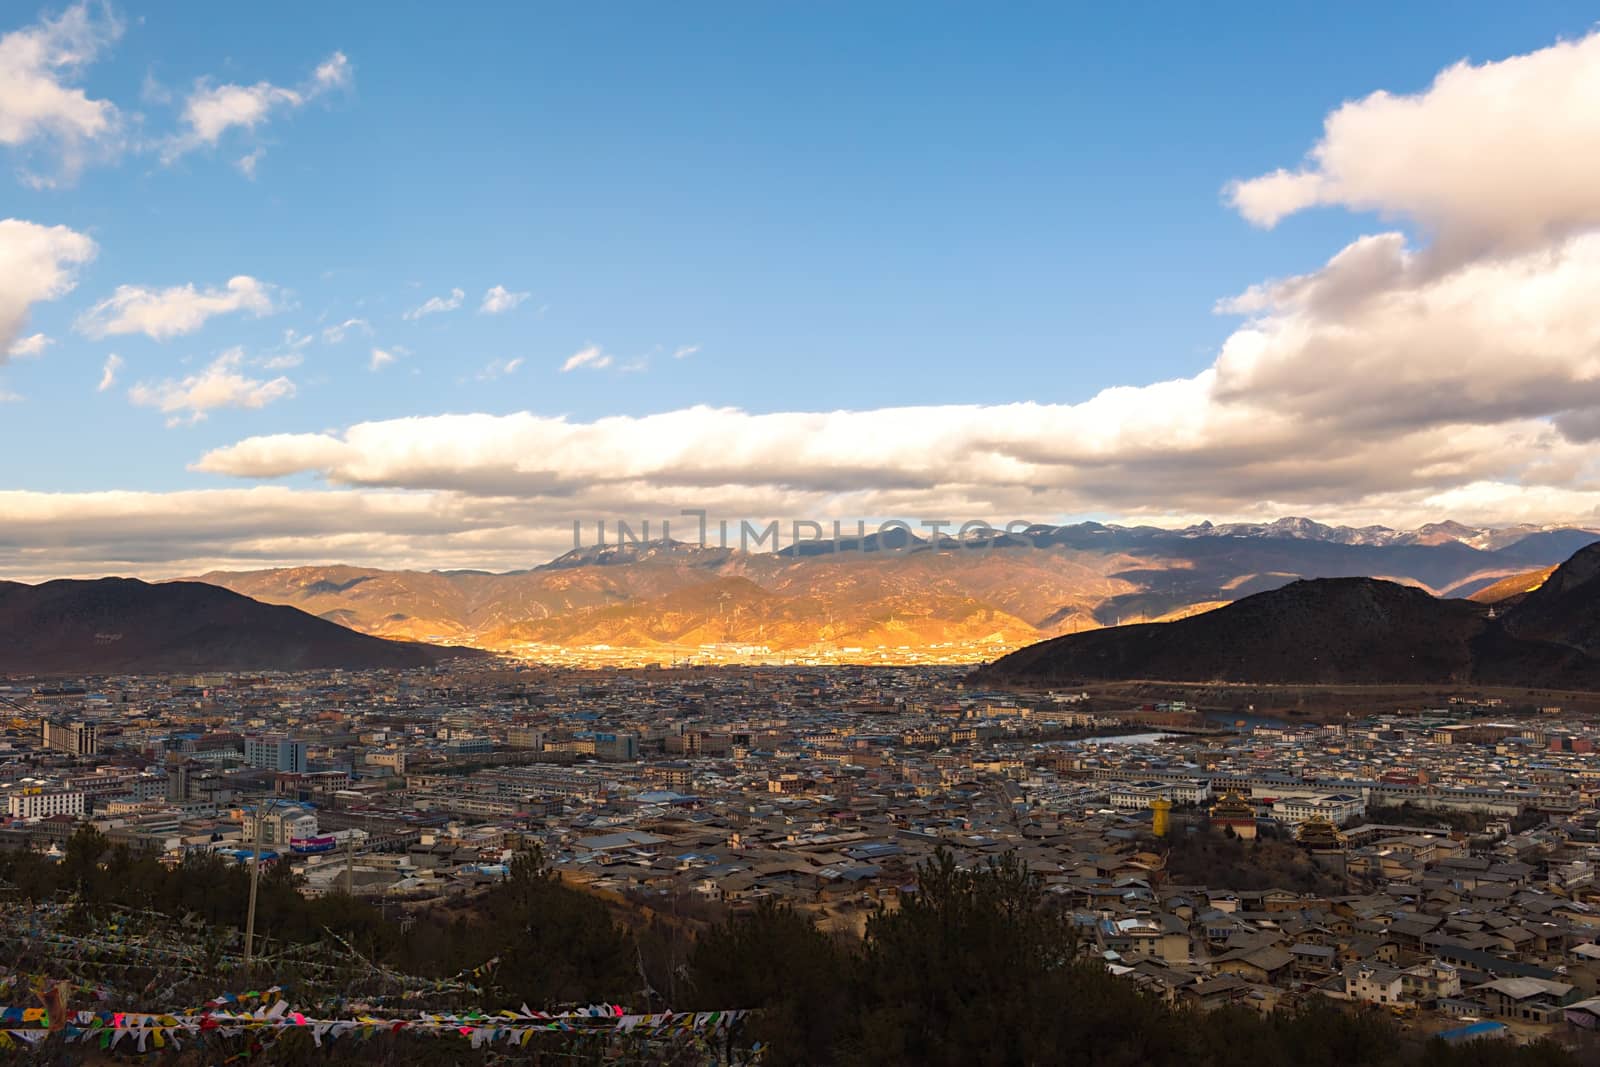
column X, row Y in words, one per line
column 222, row 384
column 29, row 347
column 1499, row 155
column 210, row 111
column 1376, row 339
column 435, row 305
column 684, row 351
column 38, row 103
column 333, row 73
column 499, row 299
column 190, row 532
column 289, row 354
column 590, row 356
column 499, row 368
column 968, row 462
column 36, row 263
column 335, row 334
column 247, row 162
column 1370, row 382
column 8, row 397
column 181, row 309
column 477, row 525
column 108, row 373
column 379, row 359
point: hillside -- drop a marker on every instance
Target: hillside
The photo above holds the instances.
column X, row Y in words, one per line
column 1331, row 630
column 1565, row 608
column 121, row 625
column 898, row 594
column 1346, row 632
column 1515, row 586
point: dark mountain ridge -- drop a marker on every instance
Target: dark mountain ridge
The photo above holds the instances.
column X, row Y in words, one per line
column 1345, row 631
column 125, row 626
column 1565, row 609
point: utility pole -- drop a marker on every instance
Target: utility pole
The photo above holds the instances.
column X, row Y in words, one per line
column 255, row 883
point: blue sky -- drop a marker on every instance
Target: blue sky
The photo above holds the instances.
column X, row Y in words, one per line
column 823, row 206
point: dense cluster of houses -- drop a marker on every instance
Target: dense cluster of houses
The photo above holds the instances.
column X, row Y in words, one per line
column 1455, row 854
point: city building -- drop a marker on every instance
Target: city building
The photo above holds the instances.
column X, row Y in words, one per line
column 275, row 753
column 280, row 826
column 39, row 802
column 78, row 738
column 1336, row 808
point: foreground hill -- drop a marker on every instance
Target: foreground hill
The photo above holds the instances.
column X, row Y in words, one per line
column 1328, row 631
column 896, row 593
column 121, row 625
column 1564, row 609
column 1346, row 632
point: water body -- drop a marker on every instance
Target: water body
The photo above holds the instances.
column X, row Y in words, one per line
column 1127, row 739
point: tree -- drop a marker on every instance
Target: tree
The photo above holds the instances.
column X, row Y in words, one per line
column 775, row 960
column 965, row 971
column 80, row 866
column 555, row 945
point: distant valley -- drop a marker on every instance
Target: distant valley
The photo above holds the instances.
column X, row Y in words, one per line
column 902, row 599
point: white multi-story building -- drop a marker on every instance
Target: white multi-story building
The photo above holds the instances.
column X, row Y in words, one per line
column 1139, row 795
column 280, row 826
column 1337, row 808
column 1373, row 984
column 1136, row 797
column 1189, row 791
column 1431, row 980
column 1378, row 984
column 37, row 803
column 276, row 753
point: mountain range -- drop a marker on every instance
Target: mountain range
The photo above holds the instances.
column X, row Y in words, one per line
column 1347, row 631
column 896, row 594
column 125, row 626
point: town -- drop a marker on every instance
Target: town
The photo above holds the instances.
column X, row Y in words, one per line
column 1436, row 862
